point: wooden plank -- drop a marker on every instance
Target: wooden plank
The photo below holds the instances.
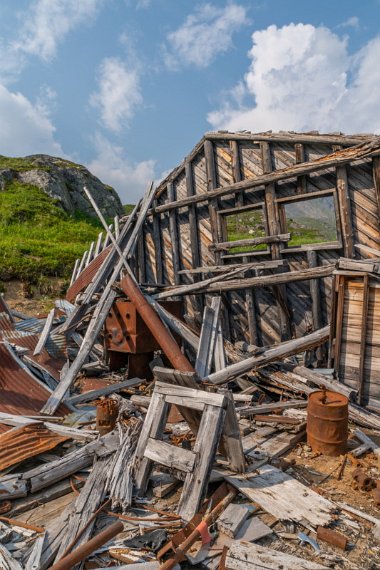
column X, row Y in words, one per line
column 105, row 391
column 157, row 246
column 44, row 333
column 193, row 219
column 173, row 230
column 231, row 521
column 339, row 321
column 154, row 425
column 345, row 211
column 213, row 286
column 208, row 398
column 208, row 337
column 376, row 181
column 300, row 158
column 363, row 337
column 270, row 264
column 284, row 349
column 283, row 496
column 170, row 455
column 231, row 439
column 225, row 245
column 249, row 556
column 205, row 446
column 316, row 306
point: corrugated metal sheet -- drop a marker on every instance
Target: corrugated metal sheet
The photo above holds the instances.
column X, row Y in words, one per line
column 27, row 441
column 21, row 393
column 5, row 322
column 87, row 275
column 31, row 325
column 29, row 340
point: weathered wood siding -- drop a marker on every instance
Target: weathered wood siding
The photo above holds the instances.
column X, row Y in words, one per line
column 180, row 239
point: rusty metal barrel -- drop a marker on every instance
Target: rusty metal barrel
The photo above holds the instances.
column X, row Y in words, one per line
column 327, row 422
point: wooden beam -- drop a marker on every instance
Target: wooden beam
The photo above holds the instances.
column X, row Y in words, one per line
column 173, row 230
column 225, row 245
column 278, row 352
column 316, row 306
column 158, row 245
column 376, row 181
column 300, row 158
column 345, row 211
column 213, row 286
column 274, row 229
column 363, row 338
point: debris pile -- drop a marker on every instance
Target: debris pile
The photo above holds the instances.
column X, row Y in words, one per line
column 130, row 438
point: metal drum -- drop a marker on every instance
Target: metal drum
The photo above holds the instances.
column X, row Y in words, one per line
column 327, row 422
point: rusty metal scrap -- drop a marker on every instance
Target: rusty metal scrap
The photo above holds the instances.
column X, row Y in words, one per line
column 362, row 481
column 85, row 277
column 21, row 392
column 107, row 411
column 27, row 441
column 332, row 537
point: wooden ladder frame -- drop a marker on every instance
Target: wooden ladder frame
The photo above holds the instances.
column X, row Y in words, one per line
column 196, row 463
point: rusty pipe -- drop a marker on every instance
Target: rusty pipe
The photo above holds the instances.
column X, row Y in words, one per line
column 332, row 537
column 88, row 548
column 155, row 325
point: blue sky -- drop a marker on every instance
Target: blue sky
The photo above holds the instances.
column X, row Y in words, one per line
column 128, row 87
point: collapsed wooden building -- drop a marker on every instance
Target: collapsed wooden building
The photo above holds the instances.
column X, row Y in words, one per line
column 194, row 339
column 284, row 291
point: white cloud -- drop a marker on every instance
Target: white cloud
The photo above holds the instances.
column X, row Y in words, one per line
column 47, row 23
column 25, row 128
column 111, row 165
column 302, row 78
column 352, row 22
column 118, row 95
column 205, row 34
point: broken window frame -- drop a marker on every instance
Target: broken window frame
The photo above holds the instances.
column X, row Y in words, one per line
column 283, row 201
column 223, row 233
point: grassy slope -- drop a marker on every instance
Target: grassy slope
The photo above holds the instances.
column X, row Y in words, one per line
column 37, row 238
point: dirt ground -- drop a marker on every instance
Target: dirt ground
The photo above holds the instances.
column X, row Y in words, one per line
column 35, row 301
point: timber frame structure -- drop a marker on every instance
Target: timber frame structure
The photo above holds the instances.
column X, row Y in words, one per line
column 283, row 292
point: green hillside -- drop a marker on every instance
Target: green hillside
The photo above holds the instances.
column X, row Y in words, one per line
column 37, row 238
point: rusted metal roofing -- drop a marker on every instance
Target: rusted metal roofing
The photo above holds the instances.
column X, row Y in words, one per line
column 86, row 276
column 27, row 441
column 21, row 393
column 5, row 322
column 44, row 360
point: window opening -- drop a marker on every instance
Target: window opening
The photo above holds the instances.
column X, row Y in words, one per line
column 310, row 221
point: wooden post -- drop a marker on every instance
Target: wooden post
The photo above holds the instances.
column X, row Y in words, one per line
column 194, row 235
column 274, row 229
column 213, row 207
column 363, row 338
column 157, row 246
column 173, row 229
column 300, row 157
column 250, row 298
column 316, row 307
column 376, row 180
column 339, row 322
column 345, row 208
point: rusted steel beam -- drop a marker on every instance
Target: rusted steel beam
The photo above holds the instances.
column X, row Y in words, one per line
column 88, row 548
column 156, row 327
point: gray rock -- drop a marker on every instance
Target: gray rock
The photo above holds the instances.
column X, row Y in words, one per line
column 64, row 181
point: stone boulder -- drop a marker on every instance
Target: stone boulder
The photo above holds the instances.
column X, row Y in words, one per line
column 63, row 180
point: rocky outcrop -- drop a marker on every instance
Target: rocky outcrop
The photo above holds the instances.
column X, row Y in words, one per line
column 63, row 181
